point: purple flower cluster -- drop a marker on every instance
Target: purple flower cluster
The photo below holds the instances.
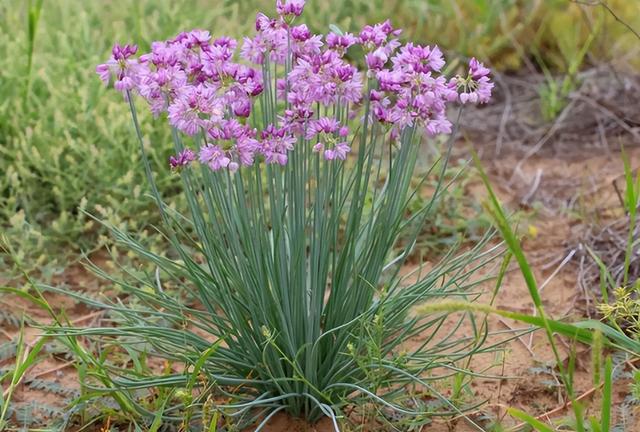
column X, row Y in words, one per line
column 411, row 90
column 236, row 142
column 477, row 87
column 205, row 91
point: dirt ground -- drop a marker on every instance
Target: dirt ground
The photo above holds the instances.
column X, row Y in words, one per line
column 553, row 243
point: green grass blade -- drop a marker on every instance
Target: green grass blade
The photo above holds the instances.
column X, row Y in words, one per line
column 200, row 363
column 632, row 206
column 582, row 331
column 606, row 396
column 157, row 420
column 21, row 366
column 530, row 420
column 213, row 426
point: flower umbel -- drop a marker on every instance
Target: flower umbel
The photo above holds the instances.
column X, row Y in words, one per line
column 477, row 87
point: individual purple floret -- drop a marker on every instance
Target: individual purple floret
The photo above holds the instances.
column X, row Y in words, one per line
column 121, row 68
column 330, row 137
column 182, row 159
column 289, row 7
column 214, row 157
column 275, row 144
column 339, row 151
column 340, row 43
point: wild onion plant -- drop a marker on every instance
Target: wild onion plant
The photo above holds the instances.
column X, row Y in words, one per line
column 298, row 169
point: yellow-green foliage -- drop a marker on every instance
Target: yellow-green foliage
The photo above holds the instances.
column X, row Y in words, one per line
column 624, row 309
column 510, row 31
column 568, row 27
column 506, row 32
column 66, row 143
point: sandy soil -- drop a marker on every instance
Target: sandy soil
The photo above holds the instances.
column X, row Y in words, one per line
column 549, row 184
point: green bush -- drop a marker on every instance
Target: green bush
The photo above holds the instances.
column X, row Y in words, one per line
column 66, row 145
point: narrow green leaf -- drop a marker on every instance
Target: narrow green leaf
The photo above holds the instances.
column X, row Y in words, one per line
column 530, row 420
column 632, row 205
column 200, row 363
column 157, row 421
column 213, row 426
column 502, row 223
column 606, row 395
column 581, row 331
